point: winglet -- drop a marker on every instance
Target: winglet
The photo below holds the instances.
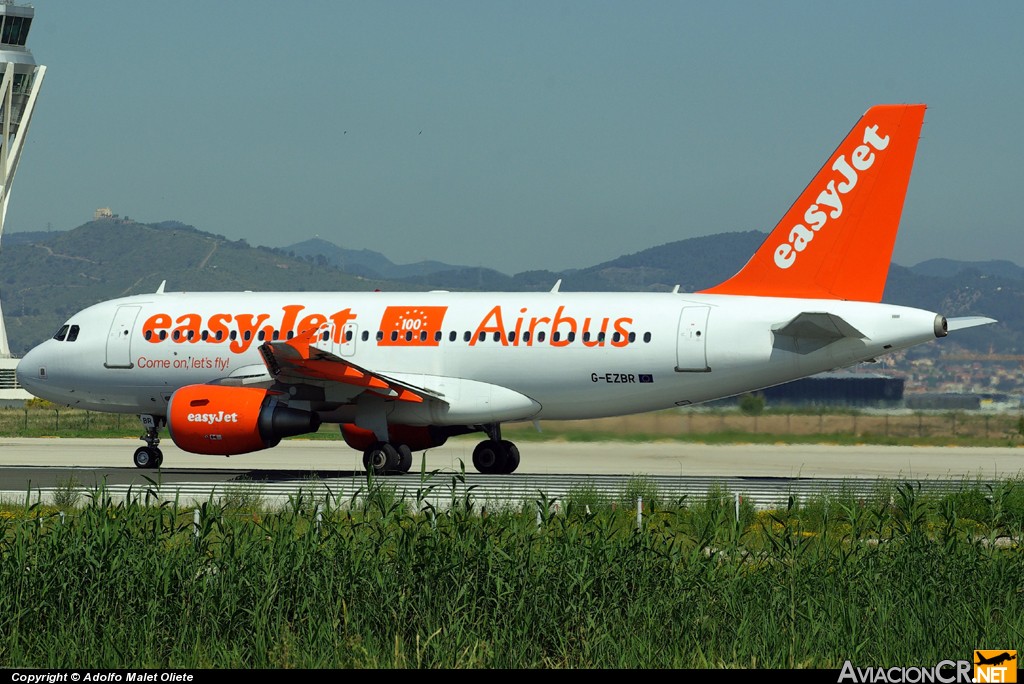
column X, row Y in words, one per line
column 836, row 241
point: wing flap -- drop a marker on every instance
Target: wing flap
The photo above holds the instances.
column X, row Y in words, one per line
column 298, row 360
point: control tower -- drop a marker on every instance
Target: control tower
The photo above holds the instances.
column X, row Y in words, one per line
column 19, row 87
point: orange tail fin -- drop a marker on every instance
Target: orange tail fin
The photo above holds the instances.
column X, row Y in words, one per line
column 836, row 241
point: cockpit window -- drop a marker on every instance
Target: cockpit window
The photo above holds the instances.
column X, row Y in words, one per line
column 73, row 333
column 59, row 336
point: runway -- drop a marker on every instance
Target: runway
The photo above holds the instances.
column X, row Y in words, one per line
column 764, row 473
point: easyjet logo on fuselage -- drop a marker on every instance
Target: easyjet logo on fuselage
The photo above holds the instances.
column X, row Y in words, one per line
column 218, row 327
column 829, row 204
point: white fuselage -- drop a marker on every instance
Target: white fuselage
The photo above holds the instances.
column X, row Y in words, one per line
column 629, row 352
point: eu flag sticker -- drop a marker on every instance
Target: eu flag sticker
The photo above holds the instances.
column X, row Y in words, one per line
column 644, row 377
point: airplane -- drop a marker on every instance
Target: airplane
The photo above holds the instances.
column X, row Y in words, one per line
column 230, row 373
column 998, row 659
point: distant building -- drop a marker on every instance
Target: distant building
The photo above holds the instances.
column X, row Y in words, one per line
column 838, row 389
column 103, row 213
column 943, row 401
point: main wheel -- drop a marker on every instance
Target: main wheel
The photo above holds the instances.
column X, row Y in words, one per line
column 381, row 458
column 147, row 457
column 512, row 457
column 404, row 458
column 489, row 457
column 158, row 458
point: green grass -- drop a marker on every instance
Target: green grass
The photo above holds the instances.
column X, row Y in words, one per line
column 898, row 577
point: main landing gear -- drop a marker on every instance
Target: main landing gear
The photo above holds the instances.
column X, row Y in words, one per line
column 493, row 456
column 150, row 455
column 496, row 457
column 383, row 458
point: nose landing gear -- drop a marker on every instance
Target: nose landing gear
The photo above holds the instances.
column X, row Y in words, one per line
column 150, row 455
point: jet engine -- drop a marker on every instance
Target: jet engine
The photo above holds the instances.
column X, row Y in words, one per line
column 223, row 421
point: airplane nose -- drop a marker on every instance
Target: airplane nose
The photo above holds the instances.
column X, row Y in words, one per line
column 31, row 370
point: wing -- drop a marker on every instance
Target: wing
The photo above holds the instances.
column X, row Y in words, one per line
column 298, row 360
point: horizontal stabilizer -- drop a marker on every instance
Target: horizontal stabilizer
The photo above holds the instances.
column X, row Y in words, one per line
column 967, row 322
column 818, row 326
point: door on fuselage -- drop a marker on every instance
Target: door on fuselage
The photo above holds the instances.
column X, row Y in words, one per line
column 346, row 344
column 691, row 340
column 119, row 339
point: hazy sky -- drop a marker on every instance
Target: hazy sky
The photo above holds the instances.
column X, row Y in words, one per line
column 517, row 135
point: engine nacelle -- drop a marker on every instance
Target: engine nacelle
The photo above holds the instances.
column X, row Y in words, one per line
column 415, row 436
column 223, row 421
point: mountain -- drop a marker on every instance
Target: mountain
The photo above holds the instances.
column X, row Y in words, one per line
column 949, row 268
column 54, row 274
column 363, row 262
column 45, row 282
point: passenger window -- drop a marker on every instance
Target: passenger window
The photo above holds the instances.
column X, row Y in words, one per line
column 571, row 337
column 366, row 335
column 465, row 336
column 555, row 337
column 600, row 337
column 276, row 335
column 497, row 337
column 380, row 335
column 291, row 334
column 437, row 336
column 616, row 337
column 348, row 335
column 220, row 335
column 176, row 335
column 452, row 336
column 73, row 333
column 204, row 335
column 483, row 336
column 326, row 334
column 260, row 335
column 423, row 336
column 408, row 335
column 541, row 335
column 586, row 336
column 148, row 335
column 394, row 335
column 233, row 335
column 247, row 335
column 163, row 334
column 632, row 337
column 511, row 335
column 526, row 336
column 647, row 337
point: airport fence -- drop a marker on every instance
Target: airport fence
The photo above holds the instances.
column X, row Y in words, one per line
column 896, row 425
column 954, row 425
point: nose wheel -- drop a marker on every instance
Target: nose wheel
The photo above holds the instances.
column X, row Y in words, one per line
column 150, row 455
